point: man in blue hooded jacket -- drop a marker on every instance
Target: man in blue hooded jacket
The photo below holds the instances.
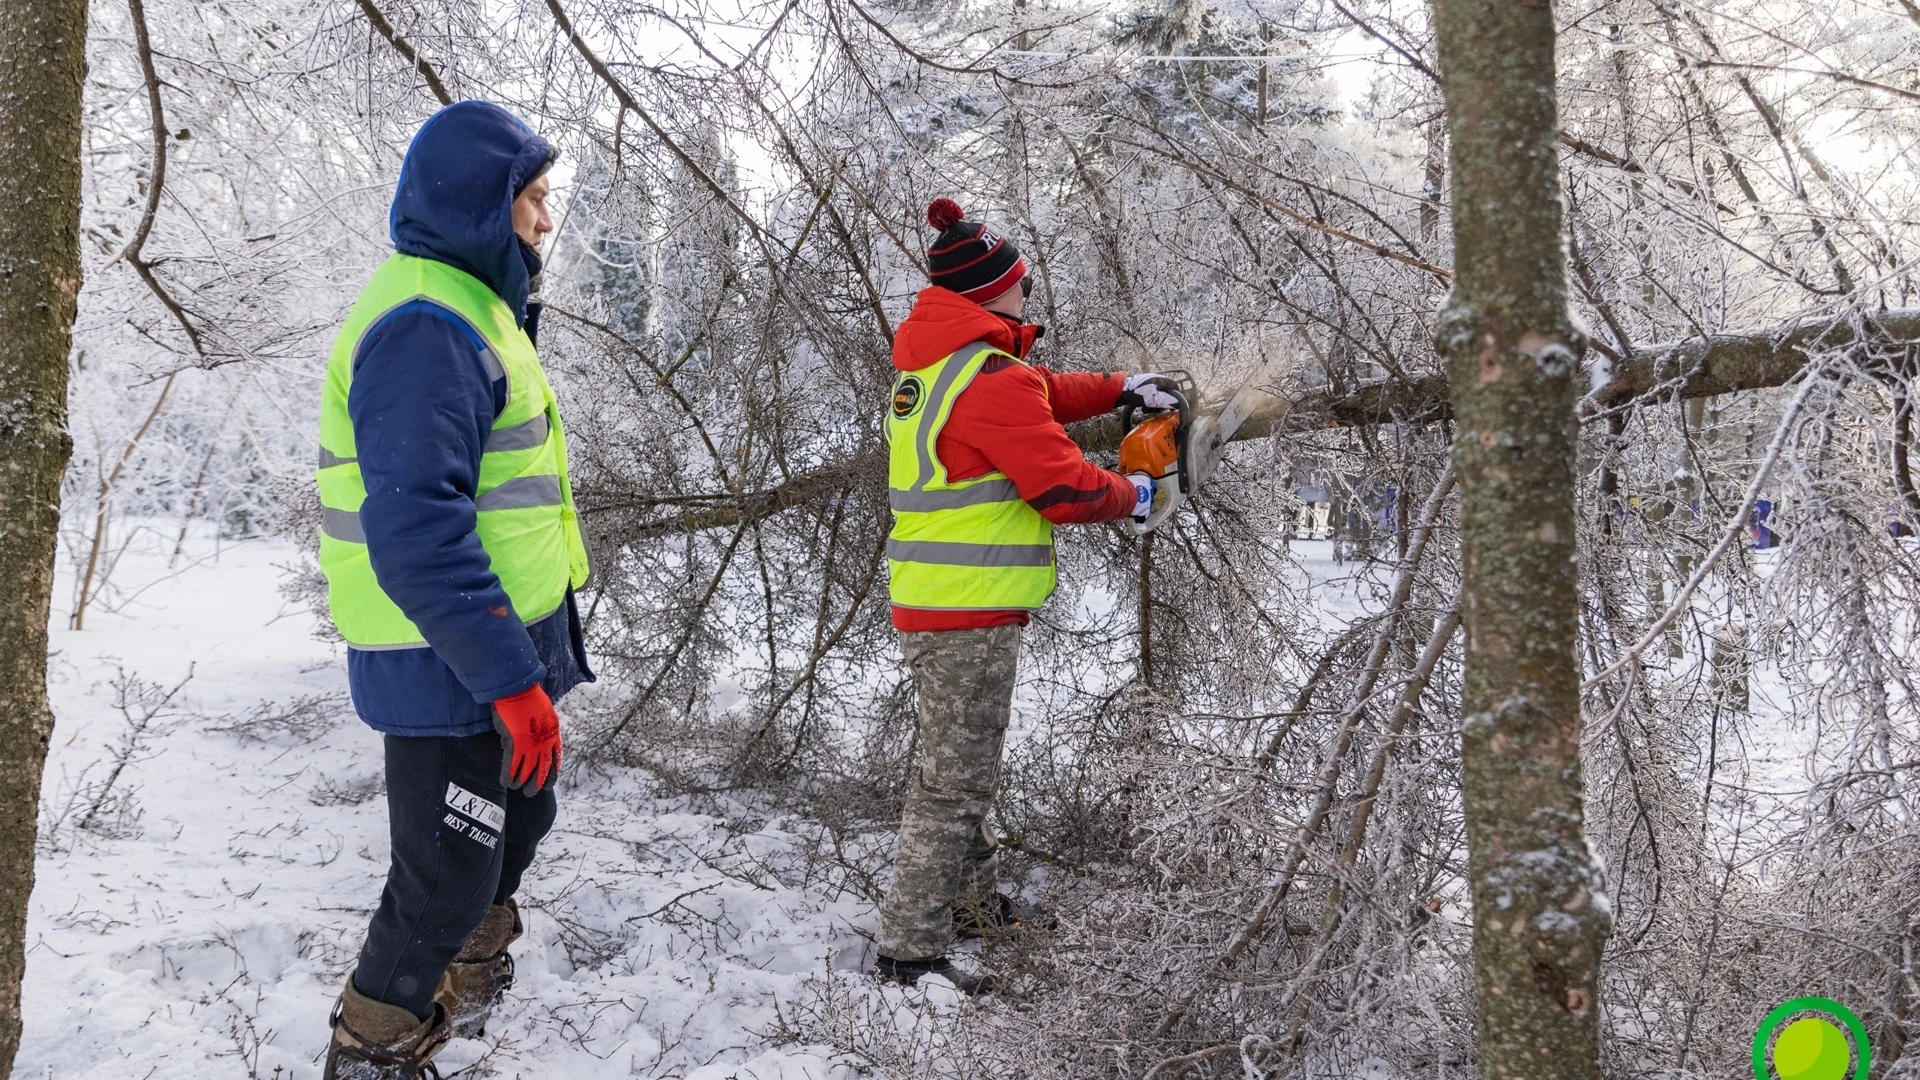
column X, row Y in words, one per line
column 452, row 551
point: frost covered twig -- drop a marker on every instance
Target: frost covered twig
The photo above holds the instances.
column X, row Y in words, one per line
column 1736, row 527
column 105, row 806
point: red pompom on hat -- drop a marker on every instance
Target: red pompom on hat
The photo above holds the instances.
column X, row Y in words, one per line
column 969, row 257
column 944, row 214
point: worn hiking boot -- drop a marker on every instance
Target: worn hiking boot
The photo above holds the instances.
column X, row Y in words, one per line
column 909, row 972
column 994, row 916
column 481, row 972
column 376, row 1041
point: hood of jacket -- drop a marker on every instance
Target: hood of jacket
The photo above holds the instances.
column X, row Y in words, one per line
column 454, row 202
column 943, row 321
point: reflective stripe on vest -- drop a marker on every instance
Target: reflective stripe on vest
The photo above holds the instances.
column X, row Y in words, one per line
column 971, row 545
column 523, row 503
column 953, row 498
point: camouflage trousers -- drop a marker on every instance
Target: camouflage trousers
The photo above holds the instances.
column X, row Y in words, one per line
column 964, row 680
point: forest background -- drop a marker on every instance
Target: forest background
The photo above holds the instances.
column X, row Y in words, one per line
column 1237, row 785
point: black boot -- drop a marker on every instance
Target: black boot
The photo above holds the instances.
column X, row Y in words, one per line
column 373, row 1040
column 989, row 918
column 908, row 973
column 481, row 972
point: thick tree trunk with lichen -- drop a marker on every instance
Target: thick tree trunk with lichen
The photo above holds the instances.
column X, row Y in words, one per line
column 42, row 72
column 1540, row 916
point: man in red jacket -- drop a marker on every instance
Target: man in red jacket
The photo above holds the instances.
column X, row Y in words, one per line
column 981, row 469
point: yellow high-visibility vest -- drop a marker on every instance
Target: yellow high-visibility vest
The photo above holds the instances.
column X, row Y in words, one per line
column 971, row 545
column 524, row 502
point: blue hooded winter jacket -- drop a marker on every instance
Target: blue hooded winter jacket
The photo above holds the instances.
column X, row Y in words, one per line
column 422, row 406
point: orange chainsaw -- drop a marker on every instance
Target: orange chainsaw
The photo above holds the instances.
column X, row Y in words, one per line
column 1157, row 446
column 1179, row 447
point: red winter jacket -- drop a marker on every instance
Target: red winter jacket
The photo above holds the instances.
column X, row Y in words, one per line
column 1009, row 418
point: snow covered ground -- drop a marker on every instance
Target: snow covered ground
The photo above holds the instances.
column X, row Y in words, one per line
column 214, row 839
column 195, row 919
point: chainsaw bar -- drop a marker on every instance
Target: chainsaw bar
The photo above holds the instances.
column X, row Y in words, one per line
column 1212, row 432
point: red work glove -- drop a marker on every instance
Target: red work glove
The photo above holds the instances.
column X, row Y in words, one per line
column 530, row 740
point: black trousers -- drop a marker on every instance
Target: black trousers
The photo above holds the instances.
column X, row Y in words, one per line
column 460, row 844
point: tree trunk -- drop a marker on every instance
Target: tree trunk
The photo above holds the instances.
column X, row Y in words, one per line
column 43, row 66
column 1540, row 913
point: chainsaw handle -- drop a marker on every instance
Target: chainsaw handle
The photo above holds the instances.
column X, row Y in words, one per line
column 1182, row 438
column 1181, row 433
column 1143, row 526
column 1128, row 412
column 1181, row 406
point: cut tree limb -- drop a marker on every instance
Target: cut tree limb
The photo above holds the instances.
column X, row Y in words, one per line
column 1703, row 367
column 1700, row 367
column 676, row 515
column 1753, row 360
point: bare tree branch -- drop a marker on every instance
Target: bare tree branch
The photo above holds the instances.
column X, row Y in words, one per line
column 385, row 29
column 156, row 184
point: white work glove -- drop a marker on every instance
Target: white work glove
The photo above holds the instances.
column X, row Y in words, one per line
column 1142, row 495
column 1148, row 390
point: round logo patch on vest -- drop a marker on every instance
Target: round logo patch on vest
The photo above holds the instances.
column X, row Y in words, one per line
column 908, row 393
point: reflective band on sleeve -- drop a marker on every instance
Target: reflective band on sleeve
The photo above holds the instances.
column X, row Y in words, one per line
column 525, row 436
column 520, row 493
column 328, row 460
column 342, row 525
column 940, row 552
column 921, row 502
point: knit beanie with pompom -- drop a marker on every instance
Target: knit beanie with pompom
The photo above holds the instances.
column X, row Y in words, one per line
column 970, row 258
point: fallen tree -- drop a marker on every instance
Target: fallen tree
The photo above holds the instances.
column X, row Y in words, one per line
column 1695, row 368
